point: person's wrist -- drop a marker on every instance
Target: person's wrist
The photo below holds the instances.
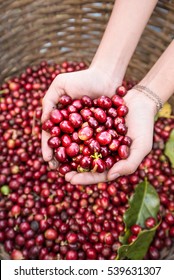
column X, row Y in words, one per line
column 150, row 94
column 134, row 98
column 111, row 79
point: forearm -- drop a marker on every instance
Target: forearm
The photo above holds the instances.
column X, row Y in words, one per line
column 160, row 78
column 125, row 26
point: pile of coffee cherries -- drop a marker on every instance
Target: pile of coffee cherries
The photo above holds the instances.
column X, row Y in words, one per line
column 44, row 217
column 87, row 134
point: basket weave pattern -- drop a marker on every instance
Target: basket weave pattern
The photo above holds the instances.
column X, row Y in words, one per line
column 54, row 30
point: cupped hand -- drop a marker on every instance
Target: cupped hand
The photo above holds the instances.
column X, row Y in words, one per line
column 91, row 82
column 140, row 122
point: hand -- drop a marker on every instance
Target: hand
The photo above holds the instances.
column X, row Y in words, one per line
column 140, row 121
column 89, row 82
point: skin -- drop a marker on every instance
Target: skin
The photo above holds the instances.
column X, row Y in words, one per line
column 108, row 66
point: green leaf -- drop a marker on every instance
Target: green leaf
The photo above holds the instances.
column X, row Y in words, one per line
column 169, row 148
column 143, row 204
column 123, row 238
column 138, row 249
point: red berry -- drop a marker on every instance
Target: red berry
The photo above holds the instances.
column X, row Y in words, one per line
column 77, row 158
column 122, row 111
column 85, row 162
column 71, row 255
column 113, row 146
column 56, row 116
column 113, row 133
column 106, row 252
column 98, row 165
column 16, row 255
column 60, row 154
column 54, row 142
column 132, row 238
column 14, row 86
column 121, row 91
column 169, row 218
column 108, row 239
column 126, row 141
column 91, row 254
column 104, row 151
column 123, row 151
column 75, row 137
column 112, row 112
column 104, row 138
column 109, row 122
column 65, row 168
column 15, row 211
column 150, row 222
column 86, row 151
column 75, row 119
column 72, row 150
column 47, row 125
column 117, row 100
column 119, row 120
column 65, row 113
column 65, row 100
column 85, row 133
column 71, row 109
column 55, row 131
column 135, row 229
column 86, row 101
column 112, row 190
column 153, row 253
column 72, row 237
column 92, row 122
column 104, row 102
column 86, row 114
column 100, row 115
column 66, row 140
column 77, row 103
column 51, row 234
column 109, row 161
column 121, row 128
column 94, row 146
column 66, row 127
column 104, row 201
column 171, row 231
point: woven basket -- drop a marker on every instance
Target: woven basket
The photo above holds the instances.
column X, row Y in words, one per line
column 56, row 30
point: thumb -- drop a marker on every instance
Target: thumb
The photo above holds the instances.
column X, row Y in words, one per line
column 129, row 166
column 47, row 107
column 49, row 102
column 51, row 98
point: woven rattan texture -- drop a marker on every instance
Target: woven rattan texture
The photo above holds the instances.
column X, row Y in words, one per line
column 55, row 30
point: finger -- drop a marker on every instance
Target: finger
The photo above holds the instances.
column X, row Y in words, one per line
column 86, row 178
column 53, row 164
column 128, row 166
column 51, row 98
column 47, row 152
column 69, row 175
column 47, row 107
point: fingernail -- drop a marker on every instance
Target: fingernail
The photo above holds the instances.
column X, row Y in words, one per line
column 53, row 164
column 114, row 176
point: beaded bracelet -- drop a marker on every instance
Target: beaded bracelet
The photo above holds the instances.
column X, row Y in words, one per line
column 149, row 93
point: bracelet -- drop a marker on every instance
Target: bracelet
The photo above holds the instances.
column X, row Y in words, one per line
column 149, row 93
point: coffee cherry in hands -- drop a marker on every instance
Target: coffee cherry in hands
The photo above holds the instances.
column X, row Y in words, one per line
column 89, row 134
